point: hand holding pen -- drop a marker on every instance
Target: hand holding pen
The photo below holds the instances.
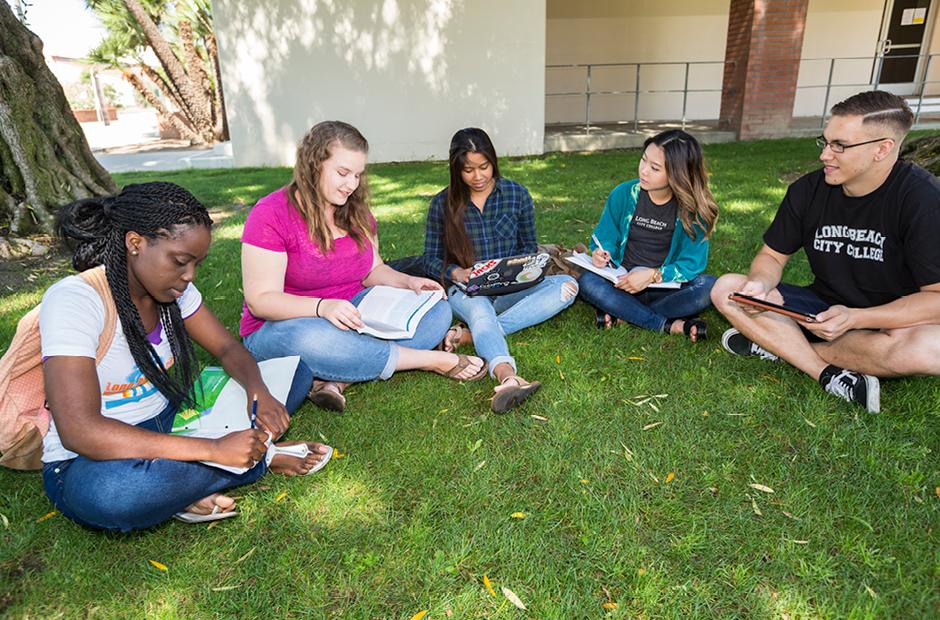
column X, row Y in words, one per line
column 600, row 257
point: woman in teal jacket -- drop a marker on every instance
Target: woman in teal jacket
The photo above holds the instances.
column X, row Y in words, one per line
column 657, row 228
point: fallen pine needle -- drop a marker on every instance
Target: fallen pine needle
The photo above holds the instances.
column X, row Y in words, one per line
column 479, row 466
column 226, row 588
column 799, row 542
column 761, row 487
column 653, row 425
column 158, row 565
column 246, row 556
column 540, row 418
column 515, row 600
column 635, row 358
column 488, row 585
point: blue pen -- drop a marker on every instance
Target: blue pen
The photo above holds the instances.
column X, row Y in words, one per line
column 254, row 409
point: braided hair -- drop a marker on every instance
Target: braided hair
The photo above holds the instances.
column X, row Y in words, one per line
column 95, row 230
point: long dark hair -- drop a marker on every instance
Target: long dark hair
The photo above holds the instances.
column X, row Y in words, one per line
column 95, row 229
column 304, row 189
column 688, row 180
column 457, row 246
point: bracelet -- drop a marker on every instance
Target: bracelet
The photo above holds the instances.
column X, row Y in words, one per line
column 317, row 311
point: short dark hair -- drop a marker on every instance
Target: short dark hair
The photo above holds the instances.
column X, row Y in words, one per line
column 877, row 106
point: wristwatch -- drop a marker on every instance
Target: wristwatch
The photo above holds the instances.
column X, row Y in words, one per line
column 657, row 276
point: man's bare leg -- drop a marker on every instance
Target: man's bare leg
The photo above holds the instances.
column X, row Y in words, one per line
column 776, row 333
column 890, row 353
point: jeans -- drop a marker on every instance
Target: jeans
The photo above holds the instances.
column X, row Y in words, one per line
column 650, row 308
column 492, row 318
column 334, row 354
column 133, row 494
column 412, row 265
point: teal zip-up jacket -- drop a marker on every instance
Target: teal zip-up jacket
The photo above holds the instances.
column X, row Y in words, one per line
column 687, row 257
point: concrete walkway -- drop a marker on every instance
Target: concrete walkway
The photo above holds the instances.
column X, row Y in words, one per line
column 152, row 157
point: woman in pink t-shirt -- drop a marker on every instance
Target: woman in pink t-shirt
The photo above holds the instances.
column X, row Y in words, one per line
column 309, row 254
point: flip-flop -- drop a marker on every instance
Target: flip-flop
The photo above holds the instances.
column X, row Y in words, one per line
column 195, row 517
column 300, row 451
column 511, row 396
column 327, row 398
column 701, row 328
column 458, row 334
column 462, row 362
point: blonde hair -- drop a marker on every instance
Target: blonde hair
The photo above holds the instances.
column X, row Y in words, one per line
column 304, row 189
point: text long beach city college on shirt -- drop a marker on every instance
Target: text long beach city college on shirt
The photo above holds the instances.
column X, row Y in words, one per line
column 864, row 251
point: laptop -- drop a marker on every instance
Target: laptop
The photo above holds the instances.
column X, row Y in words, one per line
column 501, row 276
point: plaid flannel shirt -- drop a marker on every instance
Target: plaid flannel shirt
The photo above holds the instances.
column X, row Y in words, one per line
column 506, row 227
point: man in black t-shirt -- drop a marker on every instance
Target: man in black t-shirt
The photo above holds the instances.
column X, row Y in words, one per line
column 870, row 226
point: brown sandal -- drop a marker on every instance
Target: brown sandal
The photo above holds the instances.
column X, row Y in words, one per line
column 454, row 341
column 328, row 396
column 462, row 362
column 510, row 396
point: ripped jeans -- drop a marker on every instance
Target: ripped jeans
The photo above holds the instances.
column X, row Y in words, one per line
column 491, row 319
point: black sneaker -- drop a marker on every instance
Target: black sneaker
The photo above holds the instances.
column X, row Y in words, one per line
column 736, row 343
column 852, row 386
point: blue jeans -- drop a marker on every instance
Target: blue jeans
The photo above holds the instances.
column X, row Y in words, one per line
column 650, row 308
column 334, row 354
column 134, row 494
column 492, row 318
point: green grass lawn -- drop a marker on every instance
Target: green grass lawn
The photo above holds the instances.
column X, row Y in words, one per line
column 647, row 505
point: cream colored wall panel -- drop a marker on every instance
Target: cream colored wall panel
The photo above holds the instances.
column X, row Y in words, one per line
column 407, row 73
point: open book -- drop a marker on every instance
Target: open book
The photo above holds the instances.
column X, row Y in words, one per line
column 612, row 273
column 394, row 313
column 222, row 405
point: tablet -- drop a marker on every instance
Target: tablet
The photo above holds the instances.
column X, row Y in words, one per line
column 793, row 313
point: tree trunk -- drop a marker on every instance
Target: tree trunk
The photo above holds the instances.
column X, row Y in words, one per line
column 185, row 130
column 194, row 100
column 44, row 158
column 925, row 152
column 221, row 120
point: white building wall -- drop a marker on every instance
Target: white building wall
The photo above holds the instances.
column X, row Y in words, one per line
column 407, row 73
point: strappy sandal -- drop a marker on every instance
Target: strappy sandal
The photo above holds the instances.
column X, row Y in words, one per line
column 510, row 396
column 701, row 328
column 453, row 341
column 462, row 362
column 327, row 396
column 601, row 318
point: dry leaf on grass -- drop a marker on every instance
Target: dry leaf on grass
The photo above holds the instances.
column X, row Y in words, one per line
column 280, row 496
column 158, row 565
column 479, row 466
column 518, row 515
column 226, row 588
column 558, row 359
column 540, row 418
column 6, row 522
column 515, row 600
column 47, row 516
column 246, row 556
column 756, row 509
column 799, row 542
column 670, row 477
column 787, row 514
column 652, row 425
column 761, row 487
column 420, row 614
column 609, row 605
column 488, row 585
column 635, row 358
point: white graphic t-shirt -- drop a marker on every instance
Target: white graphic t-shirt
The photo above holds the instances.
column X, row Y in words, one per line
column 71, row 319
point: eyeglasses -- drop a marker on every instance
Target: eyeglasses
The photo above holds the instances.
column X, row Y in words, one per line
column 838, row 147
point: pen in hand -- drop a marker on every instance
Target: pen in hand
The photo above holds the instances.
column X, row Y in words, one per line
column 254, row 410
column 600, row 247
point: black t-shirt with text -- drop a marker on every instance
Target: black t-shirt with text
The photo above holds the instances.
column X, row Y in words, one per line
column 864, row 251
column 650, row 234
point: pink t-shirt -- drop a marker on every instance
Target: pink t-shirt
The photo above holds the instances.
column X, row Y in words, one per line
column 274, row 224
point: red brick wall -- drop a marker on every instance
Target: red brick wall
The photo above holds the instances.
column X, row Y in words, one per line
column 765, row 39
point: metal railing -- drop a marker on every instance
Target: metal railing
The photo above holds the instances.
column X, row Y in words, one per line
column 587, row 93
column 920, row 86
column 877, row 66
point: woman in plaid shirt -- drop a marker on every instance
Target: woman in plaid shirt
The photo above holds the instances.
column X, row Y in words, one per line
column 482, row 216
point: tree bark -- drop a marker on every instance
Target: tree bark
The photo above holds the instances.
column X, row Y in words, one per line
column 184, row 129
column 925, row 152
column 221, row 120
column 193, row 98
column 44, row 158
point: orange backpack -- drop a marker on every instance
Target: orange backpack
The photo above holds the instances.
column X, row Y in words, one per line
column 24, row 418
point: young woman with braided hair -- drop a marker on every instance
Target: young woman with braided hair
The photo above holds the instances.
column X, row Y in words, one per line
column 310, row 252
column 109, row 459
